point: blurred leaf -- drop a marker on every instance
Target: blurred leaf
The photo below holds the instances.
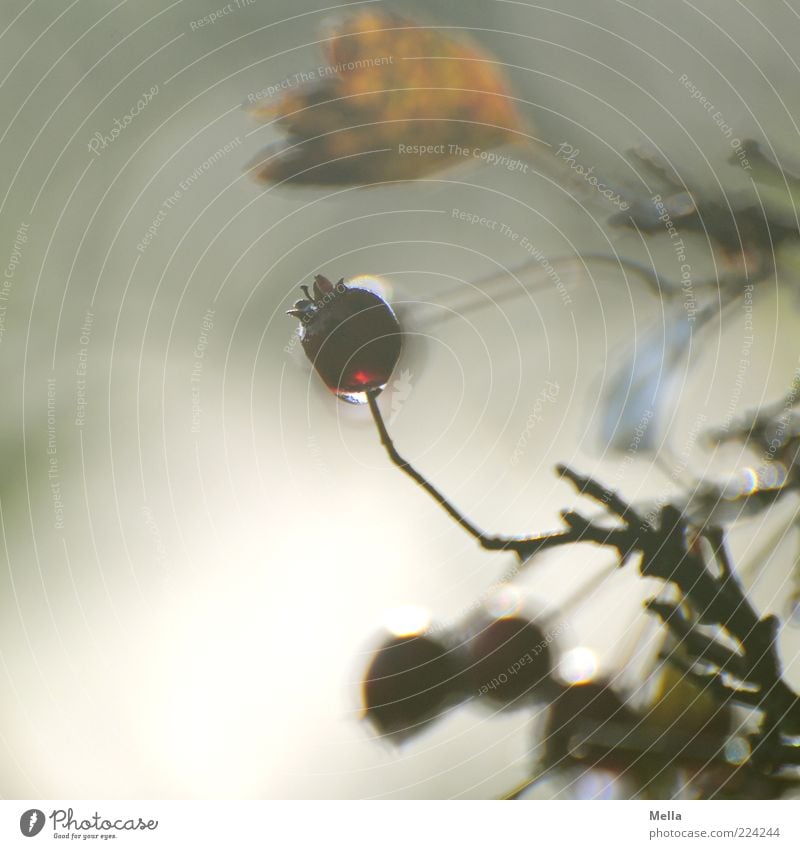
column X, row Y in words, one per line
column 644, row 387
column 387, row 83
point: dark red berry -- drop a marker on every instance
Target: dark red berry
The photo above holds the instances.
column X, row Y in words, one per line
column 351, row 336
column 509, row 661
column 409, row 682
column 578, row 712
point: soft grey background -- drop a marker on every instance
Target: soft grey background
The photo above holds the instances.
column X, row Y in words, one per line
column 200, row 623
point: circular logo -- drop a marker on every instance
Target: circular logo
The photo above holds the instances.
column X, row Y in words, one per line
column 31, row 822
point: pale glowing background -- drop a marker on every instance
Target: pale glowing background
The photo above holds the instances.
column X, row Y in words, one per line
column 200, row 624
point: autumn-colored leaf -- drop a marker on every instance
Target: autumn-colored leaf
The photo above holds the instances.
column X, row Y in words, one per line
column 393, row 101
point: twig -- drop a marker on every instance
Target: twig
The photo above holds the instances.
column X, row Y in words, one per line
column 666, row 554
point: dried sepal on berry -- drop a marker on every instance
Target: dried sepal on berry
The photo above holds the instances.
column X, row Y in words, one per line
column 350, row 335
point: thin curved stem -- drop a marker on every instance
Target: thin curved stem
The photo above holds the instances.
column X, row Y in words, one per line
column 579, row 529
column 419, row 478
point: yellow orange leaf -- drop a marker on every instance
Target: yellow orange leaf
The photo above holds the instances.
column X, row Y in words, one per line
column 394, row 102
